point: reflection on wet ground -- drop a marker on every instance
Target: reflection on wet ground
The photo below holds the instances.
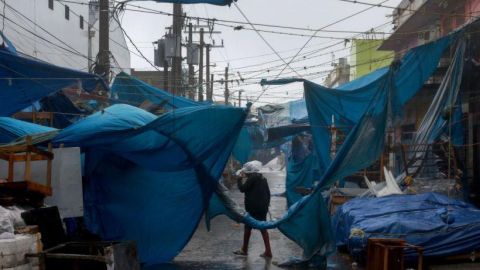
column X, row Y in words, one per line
column 214, row 249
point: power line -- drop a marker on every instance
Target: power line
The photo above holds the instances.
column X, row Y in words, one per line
column 264, row 40
column 308, row 41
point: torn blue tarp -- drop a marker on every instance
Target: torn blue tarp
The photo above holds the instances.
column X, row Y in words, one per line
column 442, row 226
column 302, row 167
column 127, row 89
column 365, row 113
column 25, row 80
column 349, row 103
column 149, row 179
column 12, row 129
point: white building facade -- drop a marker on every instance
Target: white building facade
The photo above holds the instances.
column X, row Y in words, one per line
column 63, row 33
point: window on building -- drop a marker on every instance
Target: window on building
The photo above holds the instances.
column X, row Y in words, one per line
column 81, row 22
column 50, row 4
column 67, row 12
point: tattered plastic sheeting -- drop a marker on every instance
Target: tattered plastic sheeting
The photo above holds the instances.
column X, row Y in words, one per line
column 130, row 90
column 302, row 168
column 442, row 226
column 368, row 110
column 148, row 179
column 277, row 115
column 349, row 104
column 11, row 129
column 127, row 89
column 446, row 101
column 24, row 80
column 434, row 124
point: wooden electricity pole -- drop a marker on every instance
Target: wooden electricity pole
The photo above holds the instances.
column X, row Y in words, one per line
column 207, row 75
column 227, row 93
column 240, row 98
column 103, row 67
column 177, row 59
column 200, row 68
column 191, row 69
column 210, row 98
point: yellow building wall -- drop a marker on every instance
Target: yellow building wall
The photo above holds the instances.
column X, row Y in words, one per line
column 365, row 58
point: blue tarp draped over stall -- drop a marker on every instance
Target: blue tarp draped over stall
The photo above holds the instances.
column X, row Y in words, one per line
column 349, row 103
column 11, row 129
column 364, row 111
column 24, row 80
column 148, row 179
column 442, row 226
column 130, row 90
column 127, row 89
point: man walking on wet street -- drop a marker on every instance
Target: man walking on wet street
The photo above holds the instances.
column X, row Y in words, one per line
column 257, row 201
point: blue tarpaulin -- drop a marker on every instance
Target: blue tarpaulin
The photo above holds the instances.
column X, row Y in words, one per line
column 130, row 90
column 442, row 226
column 148, row 179
column 12, row 129
column 365, row 110
column 161, row 170
column 25, row 80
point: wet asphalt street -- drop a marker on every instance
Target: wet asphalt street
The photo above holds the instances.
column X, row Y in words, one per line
column 214, row 249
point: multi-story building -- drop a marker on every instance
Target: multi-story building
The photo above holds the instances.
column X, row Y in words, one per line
column 365, row 57
column 417, row 22
column 339, row 75
column 61, row 33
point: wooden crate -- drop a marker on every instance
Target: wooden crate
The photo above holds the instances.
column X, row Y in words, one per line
column 387, row 254
column 28, row 153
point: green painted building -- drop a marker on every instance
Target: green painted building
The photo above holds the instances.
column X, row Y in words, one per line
column 365, row 57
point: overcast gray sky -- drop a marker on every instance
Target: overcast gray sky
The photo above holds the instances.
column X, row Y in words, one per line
column 247, row 53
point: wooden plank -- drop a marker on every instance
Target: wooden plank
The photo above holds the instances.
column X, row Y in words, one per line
column 33, row 116
column 13, row 149
column 35, row 187
column 23, row 158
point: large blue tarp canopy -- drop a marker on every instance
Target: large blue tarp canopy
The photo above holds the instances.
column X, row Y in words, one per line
column 24, row 80
column 442, row 226
column 160, row 168
column 130, row 90
column 364, row 111
column 149, row 179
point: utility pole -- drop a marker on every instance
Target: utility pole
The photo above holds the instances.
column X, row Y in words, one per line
column 200, row 68
column 177, row 59
column 207, row 75
column 227, row 93
column 103, row 67
column 165, row 75
column 240, row 98
column 191, row 69
column 210, row 93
